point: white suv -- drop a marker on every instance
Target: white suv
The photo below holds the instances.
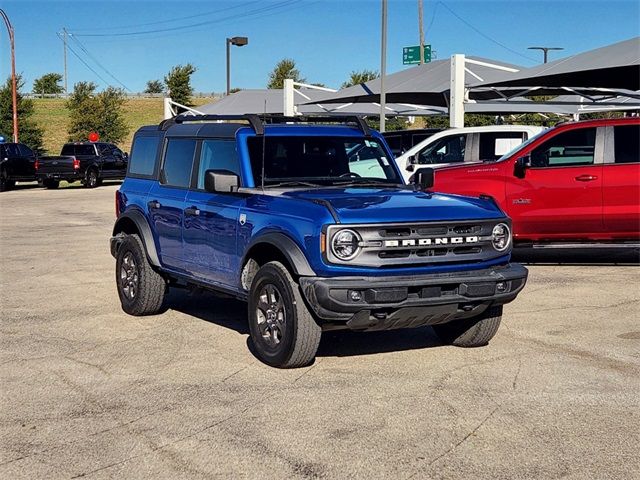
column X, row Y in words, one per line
column 469, row 144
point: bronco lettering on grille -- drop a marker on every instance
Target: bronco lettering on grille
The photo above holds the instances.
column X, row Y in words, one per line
column 426, row 242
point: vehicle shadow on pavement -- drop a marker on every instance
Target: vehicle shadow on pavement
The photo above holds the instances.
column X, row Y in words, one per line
column 581, row 256
column 232, row 314
column 63, row 186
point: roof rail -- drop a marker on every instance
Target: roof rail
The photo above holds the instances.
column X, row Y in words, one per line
column 254, row 120
column 359, row 121
column 257, row 121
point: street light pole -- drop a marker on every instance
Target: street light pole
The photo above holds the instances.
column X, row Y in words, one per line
column 545, row 50
column 383, row 67
column 239, row 42
column 14, row 88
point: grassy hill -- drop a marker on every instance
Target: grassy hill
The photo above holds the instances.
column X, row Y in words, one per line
column 53, row 117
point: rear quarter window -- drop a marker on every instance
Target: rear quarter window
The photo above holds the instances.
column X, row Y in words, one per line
column 144, row 152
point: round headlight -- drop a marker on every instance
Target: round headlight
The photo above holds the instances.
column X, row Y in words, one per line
column 501, row 237
column 344, row 244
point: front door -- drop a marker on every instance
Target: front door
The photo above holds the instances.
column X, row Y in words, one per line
column 561, row 194
column 211, row 219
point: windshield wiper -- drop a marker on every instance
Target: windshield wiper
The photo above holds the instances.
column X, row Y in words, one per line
column 354, row 182
column 292, row 183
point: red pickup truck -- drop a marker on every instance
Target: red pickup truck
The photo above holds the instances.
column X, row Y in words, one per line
column 576, row 182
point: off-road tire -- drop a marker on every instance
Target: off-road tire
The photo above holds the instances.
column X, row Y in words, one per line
column 51, row 184
column 92, row 180
column 471, row 332
column 150, row 286
column 300, row 332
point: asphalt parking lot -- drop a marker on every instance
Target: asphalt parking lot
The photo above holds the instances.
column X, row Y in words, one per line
column 87, row 391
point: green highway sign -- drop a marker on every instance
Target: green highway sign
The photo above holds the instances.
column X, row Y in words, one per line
column 411, row 55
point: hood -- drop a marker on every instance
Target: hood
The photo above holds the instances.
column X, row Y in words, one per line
column 382, row 205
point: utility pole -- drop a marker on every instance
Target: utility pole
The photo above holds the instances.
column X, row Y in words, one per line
column 421, row 29
column 383, row 67
column 14, row 87
column 64, row 41
column 545, row 50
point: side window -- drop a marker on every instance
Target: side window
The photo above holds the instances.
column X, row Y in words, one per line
column 627, row 143
column 12, row 150
column 571, row 148
column 178, row 161
column 143, row 155
column 104, row 149
column 217, row 155
column 445, row 150
column 494, row 145
column 25, row 151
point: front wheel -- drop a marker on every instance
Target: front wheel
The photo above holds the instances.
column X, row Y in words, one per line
column 141, row 289
column 471, row 332
column 283, row 331
column 5, row 183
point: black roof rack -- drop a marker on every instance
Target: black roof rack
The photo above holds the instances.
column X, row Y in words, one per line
column 257, row 121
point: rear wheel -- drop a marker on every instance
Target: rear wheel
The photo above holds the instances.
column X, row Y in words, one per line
column 471, row 332
column 141, row 289
column 51, row 184
column 283, row 331
column 92, row 178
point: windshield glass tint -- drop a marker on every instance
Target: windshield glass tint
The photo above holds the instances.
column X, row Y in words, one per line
column 321, row 160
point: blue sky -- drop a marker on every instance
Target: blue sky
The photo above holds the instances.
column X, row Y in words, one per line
column 326, row 38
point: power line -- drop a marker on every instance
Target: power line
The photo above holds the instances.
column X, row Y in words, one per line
column 178, row 19
column 484, row 34
column 84, row 49
column 81, row 59
column 200, row 24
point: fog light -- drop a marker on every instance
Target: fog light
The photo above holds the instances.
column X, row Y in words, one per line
column 501, row 287
column 355, row 295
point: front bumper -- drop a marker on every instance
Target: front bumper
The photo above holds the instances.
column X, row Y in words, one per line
column 380, row 303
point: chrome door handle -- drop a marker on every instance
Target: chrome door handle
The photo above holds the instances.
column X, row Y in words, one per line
column 194, row 211
column 586, row 178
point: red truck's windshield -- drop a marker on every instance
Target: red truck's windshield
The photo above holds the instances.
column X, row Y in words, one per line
column 522, row 146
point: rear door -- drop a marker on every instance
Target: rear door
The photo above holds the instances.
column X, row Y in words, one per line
column 107, row 159
column 165, row 201
column 493, row 145
column 621, row 181
column 561, row 194
column 211, row 219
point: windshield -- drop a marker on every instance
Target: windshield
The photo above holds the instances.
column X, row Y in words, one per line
column 312, row 160
column 521, row 146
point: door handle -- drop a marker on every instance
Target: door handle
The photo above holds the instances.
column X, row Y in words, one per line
column 586, row 178
column 154, row 204
column 193, row 211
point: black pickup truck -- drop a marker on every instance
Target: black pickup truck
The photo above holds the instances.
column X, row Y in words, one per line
column 17, row 164
column 89, row 162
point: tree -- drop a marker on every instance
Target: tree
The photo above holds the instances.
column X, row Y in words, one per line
column 101, row 113
column 178, row 82
column 356, row 78
column 28, row 131
column 285, row 68
column 48, row 84
column 154, row 86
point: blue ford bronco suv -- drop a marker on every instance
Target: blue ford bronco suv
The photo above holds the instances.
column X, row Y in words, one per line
column 309, row 221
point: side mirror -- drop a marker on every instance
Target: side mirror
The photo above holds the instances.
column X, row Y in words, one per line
column 521, row 166
column 423, row 178
column 411, row 162
column 125, row 155
column 221, row 181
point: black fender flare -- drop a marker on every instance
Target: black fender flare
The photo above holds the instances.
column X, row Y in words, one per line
column 290, row 249
column 142, row 225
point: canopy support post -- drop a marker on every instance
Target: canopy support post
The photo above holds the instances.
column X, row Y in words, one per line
column 456, row 92
column 288, row 93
